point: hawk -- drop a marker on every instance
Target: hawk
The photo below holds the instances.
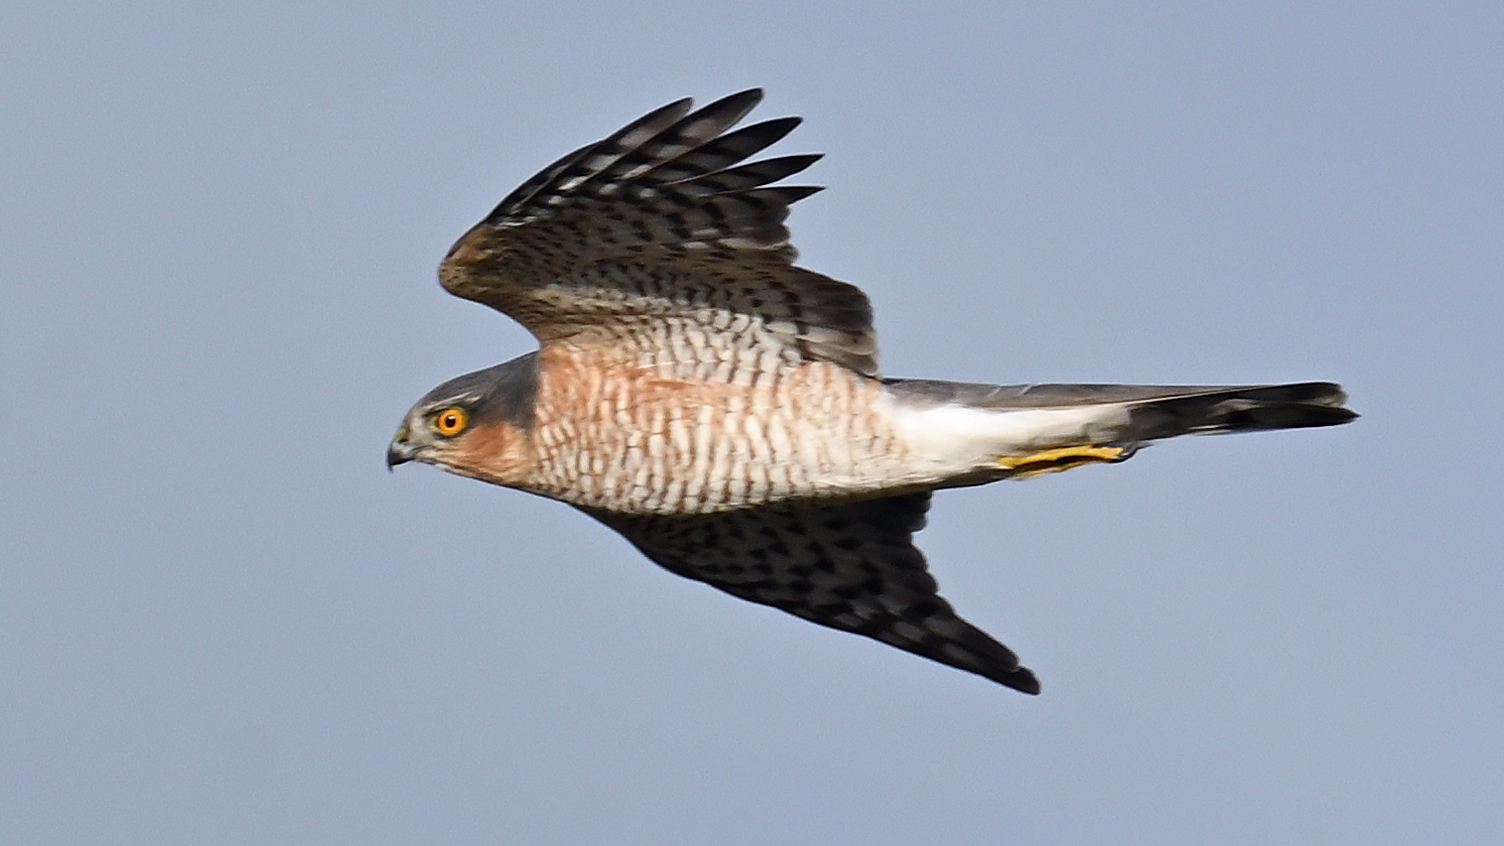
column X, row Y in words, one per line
column 722, row 408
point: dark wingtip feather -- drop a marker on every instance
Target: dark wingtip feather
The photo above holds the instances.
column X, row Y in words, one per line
column 1021, row 679
column 751, row 139
column 751, row 96
column 791, row 194
column 730, row 108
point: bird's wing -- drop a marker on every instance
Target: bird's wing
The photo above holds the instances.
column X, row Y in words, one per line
column 657, row 232
column 850, row 566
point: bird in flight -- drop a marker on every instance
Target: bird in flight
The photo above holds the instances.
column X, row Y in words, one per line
column 722, row 408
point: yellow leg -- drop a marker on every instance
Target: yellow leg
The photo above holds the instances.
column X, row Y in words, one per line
column 1062, row 458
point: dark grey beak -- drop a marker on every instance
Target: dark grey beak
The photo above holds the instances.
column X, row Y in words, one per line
column 399, row 451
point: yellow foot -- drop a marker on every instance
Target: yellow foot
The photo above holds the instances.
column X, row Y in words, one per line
column 1063, row 458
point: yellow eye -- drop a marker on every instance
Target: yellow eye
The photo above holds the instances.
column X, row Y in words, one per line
column 450, row 421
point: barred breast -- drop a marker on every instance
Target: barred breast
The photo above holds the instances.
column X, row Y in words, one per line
column 688, row 436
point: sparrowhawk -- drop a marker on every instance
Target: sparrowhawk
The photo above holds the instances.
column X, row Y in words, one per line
column 722, row 408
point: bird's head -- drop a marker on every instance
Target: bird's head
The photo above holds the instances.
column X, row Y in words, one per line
column 475, row 425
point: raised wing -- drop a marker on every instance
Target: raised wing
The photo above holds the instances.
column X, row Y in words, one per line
column 850, row 566
column 658, row 229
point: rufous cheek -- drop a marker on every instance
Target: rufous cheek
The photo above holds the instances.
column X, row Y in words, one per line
column 496, row 452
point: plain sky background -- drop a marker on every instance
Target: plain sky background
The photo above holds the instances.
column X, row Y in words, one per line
column 222, row 621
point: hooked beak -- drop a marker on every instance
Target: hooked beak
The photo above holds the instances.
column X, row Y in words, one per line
column 399, row 451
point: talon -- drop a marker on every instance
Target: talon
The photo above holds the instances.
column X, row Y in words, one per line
column 1062, row 458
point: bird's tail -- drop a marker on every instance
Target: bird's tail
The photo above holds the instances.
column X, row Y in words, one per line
column 1022, row 430
column 1168, row 412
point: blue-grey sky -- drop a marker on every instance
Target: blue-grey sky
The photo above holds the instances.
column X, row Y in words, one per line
column 222, row 621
